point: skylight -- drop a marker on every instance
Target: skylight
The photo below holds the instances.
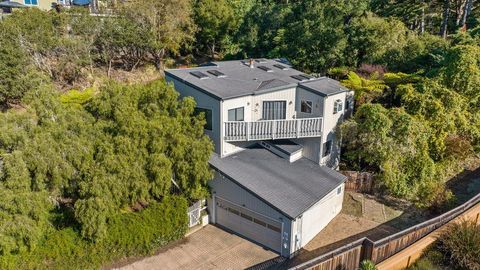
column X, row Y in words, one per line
column 217, row 73
column 308, row 77
column 199, row 75
column 282, row 67
column 261, row 60
column 265, row 68
column 298, row 77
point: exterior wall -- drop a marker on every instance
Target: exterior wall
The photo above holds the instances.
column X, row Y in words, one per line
column 317, row 217
column 287, row 95
column 331, row 121
column 203, row 101
column 317, row 103
column 42, row 4
column 253, row 110
column 223, row 187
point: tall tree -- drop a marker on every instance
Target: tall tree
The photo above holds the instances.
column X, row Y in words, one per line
column 169, row 23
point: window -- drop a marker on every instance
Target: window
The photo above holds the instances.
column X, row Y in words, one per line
column 274, row 228
column 327, row 148
column 216, row 73
column 235, row 114
column 337, row 106
column 339, row 190
column 306, row 106
column 207, row 114
column 31, row 2
column 197, row 74
column 265, row 68
column 273, row 110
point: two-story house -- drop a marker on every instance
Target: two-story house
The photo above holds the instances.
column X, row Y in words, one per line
column 275, row 147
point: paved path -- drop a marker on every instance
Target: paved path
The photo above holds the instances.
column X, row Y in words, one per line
column 209, row 248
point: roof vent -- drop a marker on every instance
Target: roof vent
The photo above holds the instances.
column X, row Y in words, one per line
column 265, row 68
column 199, row 75
column 251, row 63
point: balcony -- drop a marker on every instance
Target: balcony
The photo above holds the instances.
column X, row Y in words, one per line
column 236, row 131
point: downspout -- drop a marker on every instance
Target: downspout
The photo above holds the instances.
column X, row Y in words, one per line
column 222, row 127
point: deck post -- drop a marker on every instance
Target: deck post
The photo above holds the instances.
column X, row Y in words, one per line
column 248, row 131
column 274, row 129
column 298, row 127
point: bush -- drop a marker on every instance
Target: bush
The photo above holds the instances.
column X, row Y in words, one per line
column 367, row 265
column 144, row 231
column 461, row 244
column 424, row 264
column 128, row 234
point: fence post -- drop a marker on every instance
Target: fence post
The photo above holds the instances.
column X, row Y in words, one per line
column 367, row 250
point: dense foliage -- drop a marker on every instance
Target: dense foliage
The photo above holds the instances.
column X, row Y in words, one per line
column 120, row 149
column 137, row 233
column 73, row 164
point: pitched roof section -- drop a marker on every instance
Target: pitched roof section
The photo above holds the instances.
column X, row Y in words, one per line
column 239, row 78
column 291, row 188
column 324, row 86
column 273, row 83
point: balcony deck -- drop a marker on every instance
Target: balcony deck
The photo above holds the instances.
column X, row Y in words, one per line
column 236, row 131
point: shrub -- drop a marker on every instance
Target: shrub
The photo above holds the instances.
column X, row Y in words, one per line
column 128, row 234
column 461, row 244
column 144, row 231
column 424, row 264
column 367, row 265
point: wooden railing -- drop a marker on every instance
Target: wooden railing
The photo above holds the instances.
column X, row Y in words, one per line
column 273, row 129
column 348, row 257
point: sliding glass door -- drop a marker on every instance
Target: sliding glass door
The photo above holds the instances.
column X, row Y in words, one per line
column 273, row 110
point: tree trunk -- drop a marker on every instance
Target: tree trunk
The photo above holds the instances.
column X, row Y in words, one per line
column 446, row 14
column 422, row 21
column 466, row 11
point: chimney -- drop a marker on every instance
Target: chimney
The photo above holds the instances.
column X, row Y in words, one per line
column 250, row 62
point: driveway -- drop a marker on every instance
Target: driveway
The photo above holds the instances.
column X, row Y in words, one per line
column 208, row 248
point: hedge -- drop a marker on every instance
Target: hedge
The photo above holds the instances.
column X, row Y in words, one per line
column 129, row 234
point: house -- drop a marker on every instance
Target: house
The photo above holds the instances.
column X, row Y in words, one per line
column 276, row 151
column 41, row 4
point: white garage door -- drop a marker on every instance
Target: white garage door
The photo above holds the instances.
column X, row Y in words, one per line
column 249, row 224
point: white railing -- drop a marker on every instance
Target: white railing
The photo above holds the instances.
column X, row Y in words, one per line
column 273, row 129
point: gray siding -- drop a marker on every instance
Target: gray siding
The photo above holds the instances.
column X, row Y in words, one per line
column 203, row 101
column 223, row 187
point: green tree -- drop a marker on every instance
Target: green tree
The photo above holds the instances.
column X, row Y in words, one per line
column 216, row 22
column 365, row 89
column 169, row 25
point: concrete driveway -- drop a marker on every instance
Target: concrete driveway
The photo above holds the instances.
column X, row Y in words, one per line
column 208, row 248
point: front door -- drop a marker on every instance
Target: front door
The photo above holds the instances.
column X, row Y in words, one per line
column 273, row 110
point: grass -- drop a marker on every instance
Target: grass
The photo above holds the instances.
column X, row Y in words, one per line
column 352, row 205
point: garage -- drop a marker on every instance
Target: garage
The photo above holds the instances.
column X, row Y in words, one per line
column 249, row 224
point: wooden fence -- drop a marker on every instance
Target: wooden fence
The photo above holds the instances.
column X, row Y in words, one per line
column 359, row 181
column 349, row 256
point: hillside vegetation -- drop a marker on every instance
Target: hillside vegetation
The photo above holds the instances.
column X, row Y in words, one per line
column 84, row 159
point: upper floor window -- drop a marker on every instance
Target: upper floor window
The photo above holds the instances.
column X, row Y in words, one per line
column 235, row 114
column 306, row 106
column 31, row 2
column 327, row 148
column 337, row 106
column 208, row 116
column 273, row 110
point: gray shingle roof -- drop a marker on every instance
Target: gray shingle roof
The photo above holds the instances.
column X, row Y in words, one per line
column 240, row 79
column 291, row 188
column 324, row 86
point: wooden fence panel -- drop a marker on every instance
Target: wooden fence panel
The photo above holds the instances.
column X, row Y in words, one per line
column 349, row 256
column 359, row 181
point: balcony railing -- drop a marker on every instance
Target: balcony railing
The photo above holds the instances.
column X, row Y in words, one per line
column 273, row 129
